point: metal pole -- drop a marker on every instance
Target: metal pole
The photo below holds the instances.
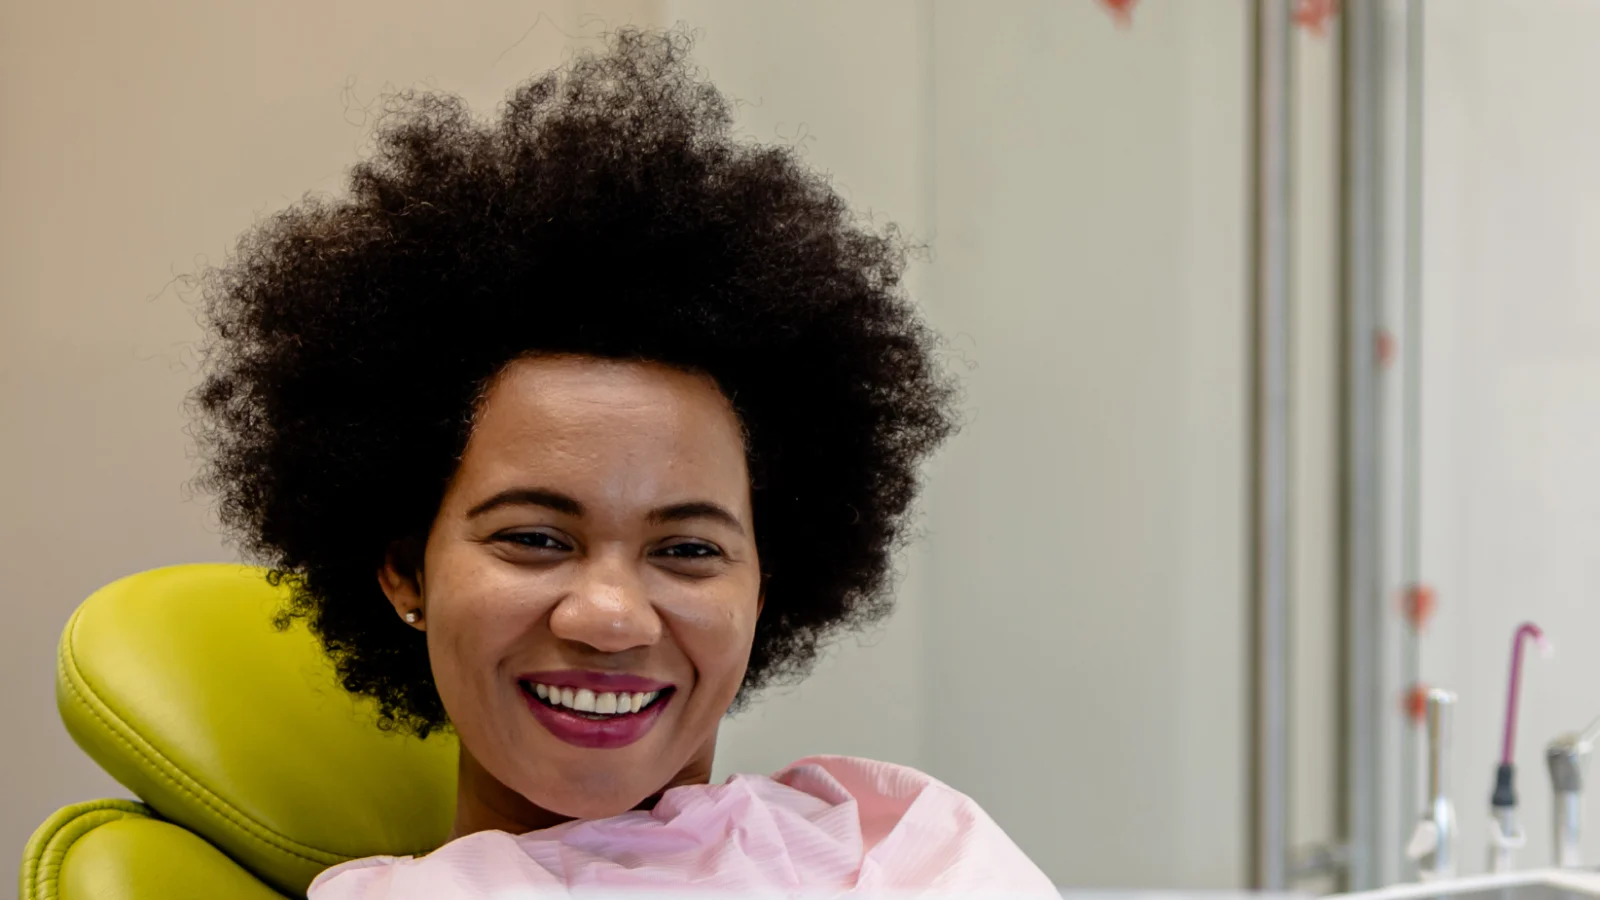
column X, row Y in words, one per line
column 1360, row 82
column 1409, row 183
column 1439, row 818
column 1271, row 419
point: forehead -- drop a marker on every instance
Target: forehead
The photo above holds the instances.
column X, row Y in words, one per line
column 606, row 427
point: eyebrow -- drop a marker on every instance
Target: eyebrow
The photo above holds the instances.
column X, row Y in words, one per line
column 698, row 509
column 561, row 503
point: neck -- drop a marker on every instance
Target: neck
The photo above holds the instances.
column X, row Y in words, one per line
column 484, row 803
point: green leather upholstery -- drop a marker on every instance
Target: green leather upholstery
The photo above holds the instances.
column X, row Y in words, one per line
column 255, row 768
column 119, row 852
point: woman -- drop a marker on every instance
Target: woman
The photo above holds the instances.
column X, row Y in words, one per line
column 570, row 432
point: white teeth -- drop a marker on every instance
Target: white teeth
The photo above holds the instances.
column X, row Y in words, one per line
column 585, row 700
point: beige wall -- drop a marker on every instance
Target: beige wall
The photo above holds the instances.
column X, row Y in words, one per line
column 1087, row 619
column 1510, row 425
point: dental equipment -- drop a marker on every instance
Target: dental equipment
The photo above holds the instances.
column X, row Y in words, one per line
column 1505, row 832
column 1568, row 756
column 1432, row 844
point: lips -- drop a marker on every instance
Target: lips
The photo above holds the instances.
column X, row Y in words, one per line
column 599, row 682
column 595, row 710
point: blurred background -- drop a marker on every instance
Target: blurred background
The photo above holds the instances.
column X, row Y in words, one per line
column 1279, row 325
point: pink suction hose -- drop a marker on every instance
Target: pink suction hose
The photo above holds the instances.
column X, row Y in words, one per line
column 1527, row 631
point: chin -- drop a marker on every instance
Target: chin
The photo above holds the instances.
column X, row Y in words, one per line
column 578, row 803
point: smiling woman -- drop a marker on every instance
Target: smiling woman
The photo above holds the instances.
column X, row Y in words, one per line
column 596, row 539
column 623, row 418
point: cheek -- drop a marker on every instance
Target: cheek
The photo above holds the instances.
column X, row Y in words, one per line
column 716, row 633
column 475, row 618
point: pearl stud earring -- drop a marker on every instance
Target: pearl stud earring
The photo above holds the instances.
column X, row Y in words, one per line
column 412, row 617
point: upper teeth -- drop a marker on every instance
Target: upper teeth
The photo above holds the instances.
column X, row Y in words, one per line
column 585, row 700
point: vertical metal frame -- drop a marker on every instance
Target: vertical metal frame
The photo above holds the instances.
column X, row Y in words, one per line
column 1381, row 96
column 1271, row 425
column 1361, row 81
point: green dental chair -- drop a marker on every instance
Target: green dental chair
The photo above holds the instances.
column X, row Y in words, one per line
column 255, row 770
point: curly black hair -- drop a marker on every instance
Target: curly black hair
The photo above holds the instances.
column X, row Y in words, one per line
column 609, row 212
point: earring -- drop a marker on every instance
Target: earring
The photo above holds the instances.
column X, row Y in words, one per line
column 412, row 617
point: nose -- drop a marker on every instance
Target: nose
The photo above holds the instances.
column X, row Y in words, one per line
column 608, row 608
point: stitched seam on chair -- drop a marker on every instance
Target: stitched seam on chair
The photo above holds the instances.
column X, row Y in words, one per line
column 155, row 761
column 47, row 870
column 169, row 771
column 48, row 874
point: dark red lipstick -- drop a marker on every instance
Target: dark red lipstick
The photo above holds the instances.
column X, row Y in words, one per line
column 595, row 730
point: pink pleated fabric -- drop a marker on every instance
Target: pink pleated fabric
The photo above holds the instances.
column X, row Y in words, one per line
column 825, row 826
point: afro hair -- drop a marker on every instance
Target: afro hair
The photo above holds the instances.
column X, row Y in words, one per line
column 608, row 211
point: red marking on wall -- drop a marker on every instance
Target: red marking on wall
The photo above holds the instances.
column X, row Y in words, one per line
column 1313, row 15
column 1416, row 704
column 1418, row 604
column 1121, row 11
column 1384, row 348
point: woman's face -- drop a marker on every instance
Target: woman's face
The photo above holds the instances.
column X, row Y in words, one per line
column 590, row 585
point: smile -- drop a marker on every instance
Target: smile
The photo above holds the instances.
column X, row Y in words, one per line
column 595, row 710
column 594, row 705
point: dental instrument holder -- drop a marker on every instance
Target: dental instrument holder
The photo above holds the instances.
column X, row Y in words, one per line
column 1432, row 844
column 1505, row 834
column 1568, row 756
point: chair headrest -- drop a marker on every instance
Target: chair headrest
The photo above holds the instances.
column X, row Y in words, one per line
column 176, row 682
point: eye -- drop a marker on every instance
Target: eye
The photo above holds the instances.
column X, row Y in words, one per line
column 533, row 540
column 689, row 550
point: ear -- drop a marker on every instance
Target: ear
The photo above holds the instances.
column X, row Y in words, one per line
column 761, row 598
column 402, row 584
